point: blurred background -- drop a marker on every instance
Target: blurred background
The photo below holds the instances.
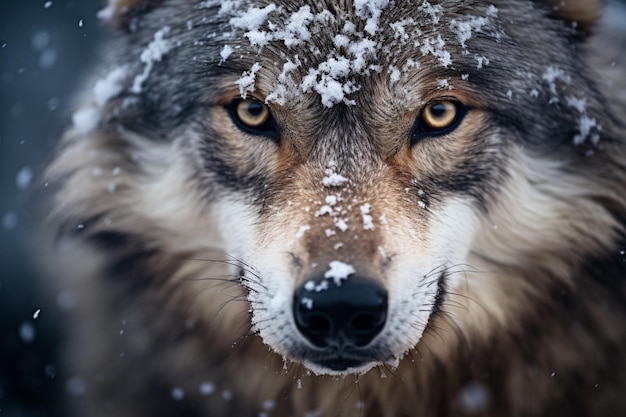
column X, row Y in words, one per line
column 46, row 49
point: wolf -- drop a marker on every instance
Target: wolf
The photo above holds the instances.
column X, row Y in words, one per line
column 346, row 208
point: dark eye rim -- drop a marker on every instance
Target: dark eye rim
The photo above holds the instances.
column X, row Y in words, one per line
column 421, row 130
column 268, row 129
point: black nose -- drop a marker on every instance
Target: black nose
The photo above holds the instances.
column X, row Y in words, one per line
column 350, row 314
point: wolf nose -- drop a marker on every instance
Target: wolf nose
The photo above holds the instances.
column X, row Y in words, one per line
column 350, row 314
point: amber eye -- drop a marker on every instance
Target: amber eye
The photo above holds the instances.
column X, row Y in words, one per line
column 252, row 113
column 252, row 116
column 438, row 118
column 439, row 115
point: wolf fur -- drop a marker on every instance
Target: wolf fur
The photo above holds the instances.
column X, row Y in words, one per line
column 500, row 243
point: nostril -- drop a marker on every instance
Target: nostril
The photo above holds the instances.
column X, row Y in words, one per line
column 319, row 324
column 362, row 328
column 316, row 327
column 363, row 322
column 350, row 314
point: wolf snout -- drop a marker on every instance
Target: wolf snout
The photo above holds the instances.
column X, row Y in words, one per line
column 340, row 318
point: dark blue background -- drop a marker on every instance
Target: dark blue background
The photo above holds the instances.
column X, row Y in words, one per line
column 44, row 56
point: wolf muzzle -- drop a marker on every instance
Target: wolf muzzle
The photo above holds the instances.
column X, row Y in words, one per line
column 340, row 321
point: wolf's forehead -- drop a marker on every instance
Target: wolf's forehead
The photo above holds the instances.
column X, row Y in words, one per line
column 329, row 49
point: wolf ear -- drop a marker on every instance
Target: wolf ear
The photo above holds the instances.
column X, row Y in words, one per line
column 119, row 13
column 583, row 13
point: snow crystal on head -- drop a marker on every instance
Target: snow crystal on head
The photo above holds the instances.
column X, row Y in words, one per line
column 87, row 119
column 465, row 27
column 356, row 46
column 110, row 86
column 253, row 18
column 370, row 11
column 558, row 80
column 247, row 80
column 586, row 123
column 355, row 53
column 153, row 53
column 553, row 74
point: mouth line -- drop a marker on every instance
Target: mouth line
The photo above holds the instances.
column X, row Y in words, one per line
column 340, row 364
column 342, row 361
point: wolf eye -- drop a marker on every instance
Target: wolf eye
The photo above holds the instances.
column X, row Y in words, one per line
column 438, row 118
column 439, row 115
column 253, row 117
column 252, row 113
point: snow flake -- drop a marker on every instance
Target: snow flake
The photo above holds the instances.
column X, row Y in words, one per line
column 85, row 120
column 269, row 404
column 24, row 177
column 341, row 224
column 444, row 84
column 437, row 48
column 108, row 12
column 368, row 223
column 177, row 393
column 27, row 332
column 400, row 28
column 433, row 12
column 370, row 11
column 311, row 286
column 331, row 200
column 110, row 86
column 464, row 28
column 154, row 52
column 207, row 388
column 332, row 178
column 473, row 398
column 302, row 230
column 394, row 74
column 247, row 80
column 227, row 395
column 586, row 123
column 296, row 30
column 339, row 271
column 285, row 86
column 481, row 61
column 76, row 386
column 307, row 302
column 553, row 74
column 226, row 51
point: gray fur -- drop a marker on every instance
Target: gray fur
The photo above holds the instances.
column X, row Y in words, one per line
column 172, row 288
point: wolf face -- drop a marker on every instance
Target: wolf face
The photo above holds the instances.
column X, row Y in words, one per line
column 383, row 176
column 331, row 159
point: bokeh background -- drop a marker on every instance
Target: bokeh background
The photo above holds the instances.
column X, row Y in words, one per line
column 47, row 47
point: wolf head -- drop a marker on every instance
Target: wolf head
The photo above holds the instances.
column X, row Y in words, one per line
column 383, row 175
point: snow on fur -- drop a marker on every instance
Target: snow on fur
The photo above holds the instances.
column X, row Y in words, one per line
column 339, row 271
column 154, row 52
column 356, row 53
